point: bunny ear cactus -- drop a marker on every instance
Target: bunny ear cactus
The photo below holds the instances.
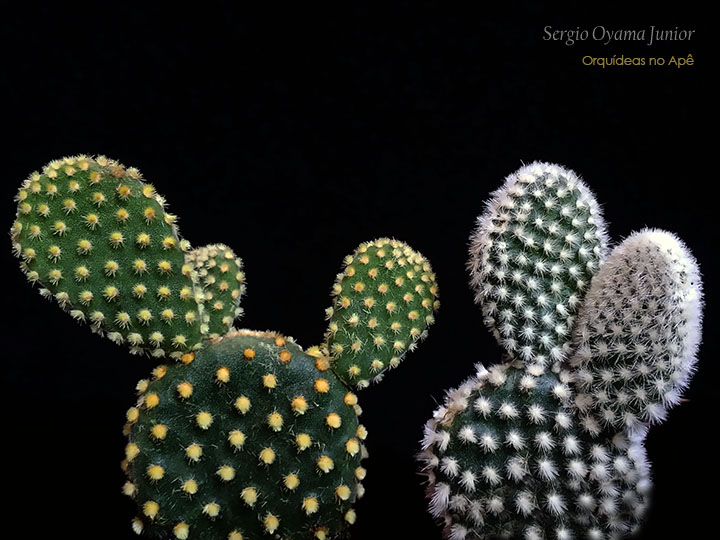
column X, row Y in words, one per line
column 99, row 240
column 549, row 443
column 245, row 435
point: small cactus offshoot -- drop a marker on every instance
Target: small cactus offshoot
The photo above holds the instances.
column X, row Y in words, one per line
column 549, row 444
column 242, row 434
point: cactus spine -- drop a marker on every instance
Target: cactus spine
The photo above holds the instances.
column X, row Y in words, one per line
column 550, row 443
column 245, row 434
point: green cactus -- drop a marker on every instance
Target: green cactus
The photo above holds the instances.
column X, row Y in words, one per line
column 246, row 434
column 384, row 302
column 220, row 274
column 549, row 444
column 100, row 241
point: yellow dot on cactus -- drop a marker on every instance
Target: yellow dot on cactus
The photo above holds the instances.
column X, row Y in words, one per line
column 181, row 531
column 359, row 287
column 361, row 432
column 395, row 327
column 132, row 414
column 350, row 271
column 279, row 341
column 271, row 523
column 84, row 247
column 354, row 370
column 383, row 288
column 82, row 273
column 333, row 420
column 111, row 292
column 143, row 240
column 194, row 452
column 139, row 290
column 29, row 254
column 352, row 447
column 73, row 186
column 299, row 405
column 267, row 456
column 141, row 386
column 236, row 438
column 187, row 358
column 345, row 302
column 59, row 228
column 111, row 268
column 122, row 215
column 98, row 198
column 291, row 481
column 34, row 231
column 155, row 472
column 211, row 509
column 310, row 505
column 413, row 315
column 285, row 356
column 249, row 495
column 226, row 473
column 185, row 389
column 85, row 297
column 123, row 191
column 275, row 421
column 43, row 210
column 342, row 492
column 159, row 372
column 164, row 266
column 129, row 489
column 321, row 533
column 360, row 473
column 25, row 208
column 376, row 365
column 369, row 302
column 322, row 363
column 223, row 286
column 249, row 354
column 350, row 399
column 350, row 516
column 148, row 191
column 242, row 404
column 169, row 242
column 144, row 316
column 131, row 451
column 167, row 315
column 203, row 419
column 151, row 509
column 321, row 386
column 159, row 431
column 325, row 464
column 224, row 268
column 303, row 441
column 151, row 401
column 95, row 177
column 116, row 239
column 170, row 219
column 269, row 381
column 185, row 293
column 235, row 535
column 149, row 213
column 190, row 487
column 217, row 305
column 70, row 206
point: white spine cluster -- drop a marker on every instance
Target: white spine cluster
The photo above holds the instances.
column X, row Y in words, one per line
column 532, row 255
column 638, row 331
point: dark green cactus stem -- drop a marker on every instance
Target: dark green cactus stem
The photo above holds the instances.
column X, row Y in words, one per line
column 384, row 303
column 99, row 240
column 220, row 274
column 248, row 438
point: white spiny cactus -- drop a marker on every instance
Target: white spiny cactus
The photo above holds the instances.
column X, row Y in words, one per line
column 549, row 445
column 535, row 248
column 638, row 331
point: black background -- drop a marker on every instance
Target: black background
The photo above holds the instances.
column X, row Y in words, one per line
column 294, row 134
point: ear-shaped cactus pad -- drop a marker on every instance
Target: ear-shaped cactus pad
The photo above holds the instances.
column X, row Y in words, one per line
column 98, row 239
column 506, row 458
column 247, row 438
column 536, row 247
column 639, row 330
column 219, row 273
column 383, row 304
